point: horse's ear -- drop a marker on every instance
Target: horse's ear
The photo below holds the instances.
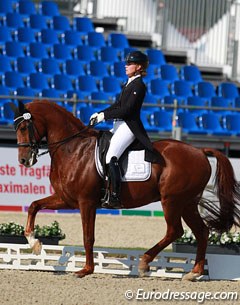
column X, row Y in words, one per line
column 15, row 109
column 21, row 107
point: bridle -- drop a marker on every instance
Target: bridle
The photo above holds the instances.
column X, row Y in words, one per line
column 33, row 143
column 32, row 130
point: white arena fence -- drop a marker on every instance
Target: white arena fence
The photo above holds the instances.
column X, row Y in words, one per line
column 115, row 261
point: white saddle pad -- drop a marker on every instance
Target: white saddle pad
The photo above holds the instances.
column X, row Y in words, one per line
column 135, row 167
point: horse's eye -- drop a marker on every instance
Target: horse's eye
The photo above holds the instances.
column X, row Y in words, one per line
column 23, row 128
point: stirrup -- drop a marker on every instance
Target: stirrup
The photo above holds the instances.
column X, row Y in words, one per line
column 112, row 202
column 106, row 197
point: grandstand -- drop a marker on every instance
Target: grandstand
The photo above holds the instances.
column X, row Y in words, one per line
column 72, row 52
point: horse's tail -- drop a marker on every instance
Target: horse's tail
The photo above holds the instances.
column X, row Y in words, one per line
column 227, row 213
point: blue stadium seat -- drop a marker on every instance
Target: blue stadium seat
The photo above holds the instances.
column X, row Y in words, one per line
column 110, row 85
column 85, row 54
column 197, row 101
column 232, row 122
column 49, row 67
column 87, row 85
column 73, row 68
column 80, row 103
column 118, row 70
column 25, row 91
column 146, row 118
column 211, row 123
column 37, row 50
column 38, row 22
column 100, row 96
column 72, row 38
column 83, row 25
column 48, row 37
column 169, row 101
column 25, row 65
column 5, row 7
column 181, row 88
column 4, row 90
column 14, row 20
column 108, row 55
column 151, row 99
column 156, row 57
column 62, row 82
column 159, row 88
column 95, row 40
column 189, row 123
column 191, row 74
column 13, row 49
column 221, row 102
column 25, row 35
column 5, row 65
column 51, row 92
column 205, row 90
column 97, row 69
column 162, row 120
column 8, row 114
column 85, row 114
column 169, row 73
column 38, row 81
column 60, row 23
column 5, row 35
column 118, row 41
column 4, row 101
column 237, row 102
column 152, row 72
column 13, row 80
column 61, row 52
column 228, row 90
column 26, row 8
column 49, row 8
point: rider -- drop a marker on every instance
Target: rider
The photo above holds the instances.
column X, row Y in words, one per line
column 127, row 125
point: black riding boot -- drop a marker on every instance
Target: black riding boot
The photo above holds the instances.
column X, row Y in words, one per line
column 113, row 201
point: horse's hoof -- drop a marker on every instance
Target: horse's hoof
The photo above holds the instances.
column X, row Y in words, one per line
column 37, row 247
column 82, row 273
column 191, row 276
column 142, row 273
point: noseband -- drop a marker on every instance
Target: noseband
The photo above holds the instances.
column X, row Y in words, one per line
column 33, row 144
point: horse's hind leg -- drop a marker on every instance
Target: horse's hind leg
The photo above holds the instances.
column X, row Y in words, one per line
column 193, row 219
column 172, row 213
column 53, row 203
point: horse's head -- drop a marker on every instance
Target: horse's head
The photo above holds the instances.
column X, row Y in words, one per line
column 26, row 140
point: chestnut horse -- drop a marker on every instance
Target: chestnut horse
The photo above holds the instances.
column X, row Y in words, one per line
column 178, row 182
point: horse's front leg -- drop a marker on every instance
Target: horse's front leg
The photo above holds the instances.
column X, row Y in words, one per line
column 53, row 203
column 88, row 214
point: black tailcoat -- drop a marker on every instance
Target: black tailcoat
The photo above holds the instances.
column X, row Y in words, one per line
column 127, row 108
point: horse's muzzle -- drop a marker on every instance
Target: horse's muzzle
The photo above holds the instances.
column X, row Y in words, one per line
column 29, row 161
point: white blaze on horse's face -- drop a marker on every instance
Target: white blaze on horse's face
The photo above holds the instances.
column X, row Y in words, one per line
column 26, row 156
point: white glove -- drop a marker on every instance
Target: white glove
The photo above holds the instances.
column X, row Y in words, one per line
column 96, row 118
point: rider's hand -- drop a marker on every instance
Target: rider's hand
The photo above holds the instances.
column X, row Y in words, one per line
column 96, row 118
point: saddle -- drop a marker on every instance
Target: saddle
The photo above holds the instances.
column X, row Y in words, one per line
column 132, row 163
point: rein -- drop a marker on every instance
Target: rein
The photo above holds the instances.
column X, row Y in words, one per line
column 61, row 142
column 33, row 144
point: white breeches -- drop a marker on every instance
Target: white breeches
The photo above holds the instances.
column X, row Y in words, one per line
column 121, row 139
